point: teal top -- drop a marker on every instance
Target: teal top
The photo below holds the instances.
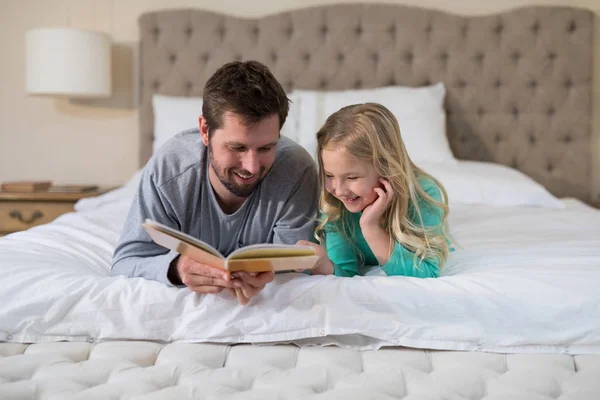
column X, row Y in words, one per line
column 345, row 255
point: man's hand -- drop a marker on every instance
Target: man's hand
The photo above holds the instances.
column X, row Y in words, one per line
column 199, row 277
column 324, row 266
column 202, row 278
column 247, row 285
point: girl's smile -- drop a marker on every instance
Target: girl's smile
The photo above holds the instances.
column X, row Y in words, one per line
column 349, row 179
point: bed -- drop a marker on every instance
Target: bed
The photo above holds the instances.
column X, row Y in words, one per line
column 516, row 313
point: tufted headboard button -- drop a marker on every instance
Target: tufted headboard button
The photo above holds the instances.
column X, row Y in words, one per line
column 444, row 57
column 221, row 32
column 532, row 139
column 515, row 56
column 479, row 56
column 324, row 30
column 568, row 83
column 289, row 31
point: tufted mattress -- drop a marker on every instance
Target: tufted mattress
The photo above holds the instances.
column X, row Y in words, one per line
column 147, row 370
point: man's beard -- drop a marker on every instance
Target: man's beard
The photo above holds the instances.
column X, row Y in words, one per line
column 228, row 180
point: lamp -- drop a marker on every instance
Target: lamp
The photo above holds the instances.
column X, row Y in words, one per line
column 68, row 62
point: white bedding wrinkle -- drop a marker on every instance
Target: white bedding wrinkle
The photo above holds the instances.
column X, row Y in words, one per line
column 522, row 280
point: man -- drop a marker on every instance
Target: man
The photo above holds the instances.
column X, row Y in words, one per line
column 232, row 182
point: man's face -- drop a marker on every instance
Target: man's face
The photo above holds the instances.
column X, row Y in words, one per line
column 241, row 155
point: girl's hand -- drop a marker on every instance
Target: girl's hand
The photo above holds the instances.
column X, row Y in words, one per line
column 371, row 216
column 324, row 266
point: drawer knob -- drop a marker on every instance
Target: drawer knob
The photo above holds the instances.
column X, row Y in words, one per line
column 16, row 214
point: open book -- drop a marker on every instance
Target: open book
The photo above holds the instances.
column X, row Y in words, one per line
column 253, row 258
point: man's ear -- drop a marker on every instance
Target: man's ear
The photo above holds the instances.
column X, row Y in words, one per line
column 203, row 127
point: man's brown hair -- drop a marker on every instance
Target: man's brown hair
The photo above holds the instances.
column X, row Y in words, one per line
column 246, row 89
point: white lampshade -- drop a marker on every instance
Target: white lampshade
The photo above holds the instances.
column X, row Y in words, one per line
column 68, row 62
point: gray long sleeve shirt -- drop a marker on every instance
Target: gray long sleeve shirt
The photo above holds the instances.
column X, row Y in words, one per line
column 175, row 191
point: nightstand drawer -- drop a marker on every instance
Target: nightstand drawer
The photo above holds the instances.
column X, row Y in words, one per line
column 19, row 215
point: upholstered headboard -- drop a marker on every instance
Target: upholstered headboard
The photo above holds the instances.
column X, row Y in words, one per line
column 519, row 83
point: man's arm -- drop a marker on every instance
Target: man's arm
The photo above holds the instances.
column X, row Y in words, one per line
column 136, row 255
column 297, row 222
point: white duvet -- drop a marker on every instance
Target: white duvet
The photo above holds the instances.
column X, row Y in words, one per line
column 525, row 279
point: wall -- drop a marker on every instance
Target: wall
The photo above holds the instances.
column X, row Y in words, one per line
column 70, row 142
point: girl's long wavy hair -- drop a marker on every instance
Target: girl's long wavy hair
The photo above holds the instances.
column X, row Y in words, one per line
column 370, row 132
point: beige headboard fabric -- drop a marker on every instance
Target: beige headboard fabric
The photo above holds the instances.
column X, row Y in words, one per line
column 519, row 83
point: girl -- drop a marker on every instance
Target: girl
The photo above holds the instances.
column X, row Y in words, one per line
column 377, row 207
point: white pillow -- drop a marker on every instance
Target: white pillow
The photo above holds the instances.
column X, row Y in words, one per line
column 174, row 114
column 420, row 113
column 486, row 183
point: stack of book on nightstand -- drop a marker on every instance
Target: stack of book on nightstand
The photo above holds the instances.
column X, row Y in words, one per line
column 44, row 186
column 26, row 186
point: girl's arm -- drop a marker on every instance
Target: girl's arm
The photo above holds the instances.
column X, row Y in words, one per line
column 403, row 262
column 394, row 258
column 341, row 253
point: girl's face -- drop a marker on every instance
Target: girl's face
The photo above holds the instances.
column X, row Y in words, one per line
column 349, row 179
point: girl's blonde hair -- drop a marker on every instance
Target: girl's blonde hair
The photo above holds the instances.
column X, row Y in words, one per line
column 370, row 132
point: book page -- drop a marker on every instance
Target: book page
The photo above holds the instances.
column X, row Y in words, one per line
column 272, row 251
column 183, row 237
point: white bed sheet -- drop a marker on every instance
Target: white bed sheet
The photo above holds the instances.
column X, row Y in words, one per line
column 525, row 280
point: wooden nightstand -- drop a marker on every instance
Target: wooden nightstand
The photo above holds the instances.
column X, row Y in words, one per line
column 19, row 211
